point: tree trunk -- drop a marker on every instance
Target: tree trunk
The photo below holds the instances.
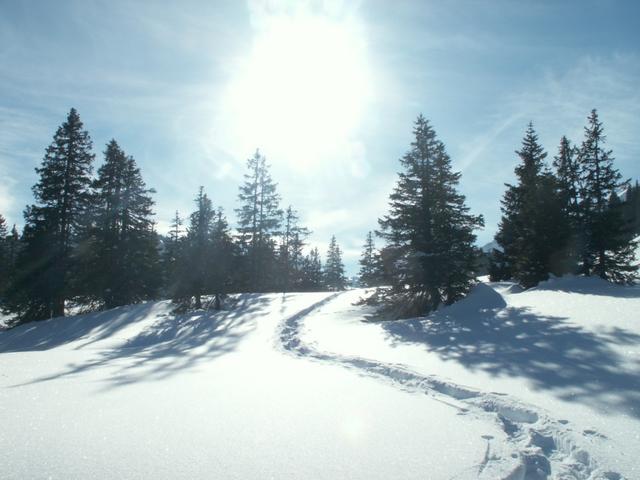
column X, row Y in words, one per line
column 58, row 308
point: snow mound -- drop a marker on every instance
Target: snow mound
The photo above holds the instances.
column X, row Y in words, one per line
column 534, row 439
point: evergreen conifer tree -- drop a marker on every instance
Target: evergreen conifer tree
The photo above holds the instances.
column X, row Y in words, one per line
column 172, row 253
column 334, row 277
column 196, row 262
column 47, row 261
column 4, row 256
column 534, row 229
column 567, row 172
column 223, row 259
column 312, row 276
column 631, row 207
column 290, row 253
column 259, row 219
column 429, row 229
column 124, row 263
column 609, row 246
column 371, row 273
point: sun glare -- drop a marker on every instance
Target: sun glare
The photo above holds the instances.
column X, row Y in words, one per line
column 302, row 91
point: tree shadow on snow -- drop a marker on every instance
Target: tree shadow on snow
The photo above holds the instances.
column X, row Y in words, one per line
column 589, row 286
column 172, row 344
column 96, row 326
column 482, row 333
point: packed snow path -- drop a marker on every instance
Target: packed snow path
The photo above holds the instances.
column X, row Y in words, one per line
column 534, row 446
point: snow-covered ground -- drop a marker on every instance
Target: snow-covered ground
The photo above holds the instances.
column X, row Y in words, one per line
column 538, row 384
column 568, row 351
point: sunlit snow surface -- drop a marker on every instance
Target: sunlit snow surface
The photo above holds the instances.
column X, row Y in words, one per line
column 503, row 385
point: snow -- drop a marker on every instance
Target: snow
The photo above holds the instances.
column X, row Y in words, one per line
column 505, row 384
column 567, row 352
column 138, row 393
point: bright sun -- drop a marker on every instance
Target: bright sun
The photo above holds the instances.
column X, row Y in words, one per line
column 301, row 93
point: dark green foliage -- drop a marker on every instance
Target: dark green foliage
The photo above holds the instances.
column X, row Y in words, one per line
column 206, row 256
column 259, row 219
column 631, row 208
column 429, row 229
column 4, row 256
column 608, row 243
column 196, row 259
column 311, row 272
column 171, row 254
column 334, row 278
column 534, row 229
column 223, row 259
column 122, row 257
column 290, row 255
column 46, row 265
column 567, row 172
column 371, row 272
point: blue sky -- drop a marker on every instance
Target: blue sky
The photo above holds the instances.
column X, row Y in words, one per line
column 328, row 91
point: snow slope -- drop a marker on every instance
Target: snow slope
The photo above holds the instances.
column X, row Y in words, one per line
column 137, row 392
column 563, row 361
column 503, row 385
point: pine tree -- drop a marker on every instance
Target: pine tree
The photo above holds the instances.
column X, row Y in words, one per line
column 371, row 273
column 429, row 229
column 47, row 261
column 311, row 272
column 172, row 252
column 334, row 278
column 197, row 255
column 13, row 245
column 609, row 246
column 124, row 263
column 534, row 229
column 259, row 220
column 290, row 252
column 631, row 208
column 567, row 171
column 4, row 256
column 223, row 259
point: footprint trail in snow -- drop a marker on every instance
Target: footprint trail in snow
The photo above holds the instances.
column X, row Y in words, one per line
column 535, row 447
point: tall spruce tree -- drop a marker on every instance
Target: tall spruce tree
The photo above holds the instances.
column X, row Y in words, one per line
column 609, row 246
column 124, row 260
column 567, row 172
column 429, row 229
column 172, row 253
column 13, row 246
column 223, row 259
column 196, row 262
column 4, row 256
column 311, row 272
column 334, row 277
column 290, row 253
column 534, row 229
column 371, row 273
column 631, row 207
column 259, row 219
column 44, row 270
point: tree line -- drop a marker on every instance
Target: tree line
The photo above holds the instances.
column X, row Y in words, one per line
column 577, row 216
column 93, row 240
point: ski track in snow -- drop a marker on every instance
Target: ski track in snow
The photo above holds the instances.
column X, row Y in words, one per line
column 534, row 440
